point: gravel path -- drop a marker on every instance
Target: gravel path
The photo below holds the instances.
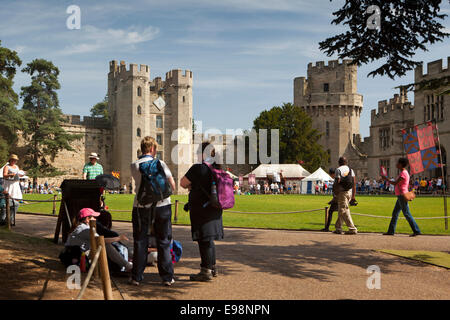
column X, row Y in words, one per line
column 272, row 264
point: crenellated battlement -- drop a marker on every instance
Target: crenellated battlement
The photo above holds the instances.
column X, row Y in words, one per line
column 434, row 69
column 121, row 71
column 399, row 103
column 333, row 110
column 178, row 77
column 332, row 64
column 86, row 121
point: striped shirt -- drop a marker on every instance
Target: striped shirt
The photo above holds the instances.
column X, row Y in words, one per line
column 92, row 170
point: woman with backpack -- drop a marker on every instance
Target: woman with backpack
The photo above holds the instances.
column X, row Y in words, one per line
column 206, row 219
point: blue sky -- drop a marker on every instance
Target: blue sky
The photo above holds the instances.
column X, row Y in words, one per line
column 244, row 53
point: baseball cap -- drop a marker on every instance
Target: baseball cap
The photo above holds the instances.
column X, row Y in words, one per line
column 87, row 212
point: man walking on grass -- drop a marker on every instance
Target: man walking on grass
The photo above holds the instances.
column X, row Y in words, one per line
column 345, row 184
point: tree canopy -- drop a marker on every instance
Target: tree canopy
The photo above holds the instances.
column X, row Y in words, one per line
column 100, row 110
column 10, row 119
column 43, row 132
column 405, row 27
column 298, row 139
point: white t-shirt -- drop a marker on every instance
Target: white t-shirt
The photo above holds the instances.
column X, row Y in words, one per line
column 343, row 171
column 137, row 178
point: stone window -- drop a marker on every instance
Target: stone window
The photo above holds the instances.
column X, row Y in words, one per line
column 326, row 87
column 139, row 110
column 327, row 129
column 138, row 132
column 159, row 155
column 159, row 139
column 139, row 91
column 159, row 122
column 384, row 138
column 434, row 109
column 184, row 99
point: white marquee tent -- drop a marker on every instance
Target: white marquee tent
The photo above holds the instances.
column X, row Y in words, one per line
column 289, row 171
column 308, row 184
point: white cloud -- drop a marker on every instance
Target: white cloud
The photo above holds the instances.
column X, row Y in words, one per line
column 93, row 39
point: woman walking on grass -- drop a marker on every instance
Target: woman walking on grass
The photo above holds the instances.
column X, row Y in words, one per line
column 401, row 187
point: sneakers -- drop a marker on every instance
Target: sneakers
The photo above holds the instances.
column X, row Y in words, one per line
column 133, row 282
column 350, row 232
column 337, row 232
column 169, row 283
column 388, row 234
column 214, row 272
column 203, row 275
column 415, row 234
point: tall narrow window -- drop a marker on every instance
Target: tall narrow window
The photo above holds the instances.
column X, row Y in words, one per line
column 184, row 99
column 326, row 87
column 138, row 132
column 139, row 110
column 327, row 129
column 139, row 91
column 159, row 139
column 159, row 155
column 159, row 122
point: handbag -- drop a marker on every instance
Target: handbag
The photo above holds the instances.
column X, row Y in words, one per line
column 409, row 196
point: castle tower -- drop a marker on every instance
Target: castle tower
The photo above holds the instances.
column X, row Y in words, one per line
column 139, row 107
column 329, row 96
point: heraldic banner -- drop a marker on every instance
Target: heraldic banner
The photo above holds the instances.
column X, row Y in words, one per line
column 420, row 148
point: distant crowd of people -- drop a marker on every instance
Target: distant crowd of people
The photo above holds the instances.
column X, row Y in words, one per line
column 421, row 185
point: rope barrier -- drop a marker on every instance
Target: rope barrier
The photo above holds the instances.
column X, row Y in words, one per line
column 388, row 217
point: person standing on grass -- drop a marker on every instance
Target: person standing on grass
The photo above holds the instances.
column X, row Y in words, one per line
column 141, row 219
column 401, row 187
column 345, row 189
column 92, row 169
column 206, row 220
column 333, row 204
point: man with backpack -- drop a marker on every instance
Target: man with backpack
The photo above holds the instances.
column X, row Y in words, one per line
column 345, row 190
column 152, row 212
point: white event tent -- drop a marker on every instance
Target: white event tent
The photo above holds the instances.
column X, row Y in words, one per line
column 308, row 184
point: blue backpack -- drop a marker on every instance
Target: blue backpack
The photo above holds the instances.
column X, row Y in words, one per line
column 176, row 250
column 154, row 185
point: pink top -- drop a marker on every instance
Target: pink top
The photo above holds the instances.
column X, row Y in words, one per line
column 402, row 186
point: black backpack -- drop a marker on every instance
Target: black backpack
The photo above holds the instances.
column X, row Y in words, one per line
column 346, row 183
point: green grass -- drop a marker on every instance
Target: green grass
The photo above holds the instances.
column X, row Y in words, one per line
column 441, row 259
column 375, row 205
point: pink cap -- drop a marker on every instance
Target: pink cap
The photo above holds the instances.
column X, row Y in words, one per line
column 87, row 212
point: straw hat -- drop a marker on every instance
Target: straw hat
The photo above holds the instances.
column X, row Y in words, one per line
column 93, row 155
column 13, row 157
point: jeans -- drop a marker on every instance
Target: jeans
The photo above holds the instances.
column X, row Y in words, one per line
column 163, row 234
column 207, row 254
column 402, row 205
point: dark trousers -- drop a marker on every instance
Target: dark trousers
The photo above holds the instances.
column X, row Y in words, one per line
column 207, row 254
column 163, row 233
column 333, row 207
column 402, row 205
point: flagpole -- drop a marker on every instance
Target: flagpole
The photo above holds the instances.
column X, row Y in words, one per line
column 444, row 182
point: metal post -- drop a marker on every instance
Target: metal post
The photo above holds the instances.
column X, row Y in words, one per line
column 444, row 192
column 176, row 212
column 54, row 204
column 8, row 212
column 326, row 216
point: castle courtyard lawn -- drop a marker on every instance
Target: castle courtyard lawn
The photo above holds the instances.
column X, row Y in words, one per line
column 374, row 205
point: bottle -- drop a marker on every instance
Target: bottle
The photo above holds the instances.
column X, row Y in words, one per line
column 214, row 196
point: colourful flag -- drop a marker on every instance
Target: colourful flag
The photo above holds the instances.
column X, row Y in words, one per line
column 420, row 148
